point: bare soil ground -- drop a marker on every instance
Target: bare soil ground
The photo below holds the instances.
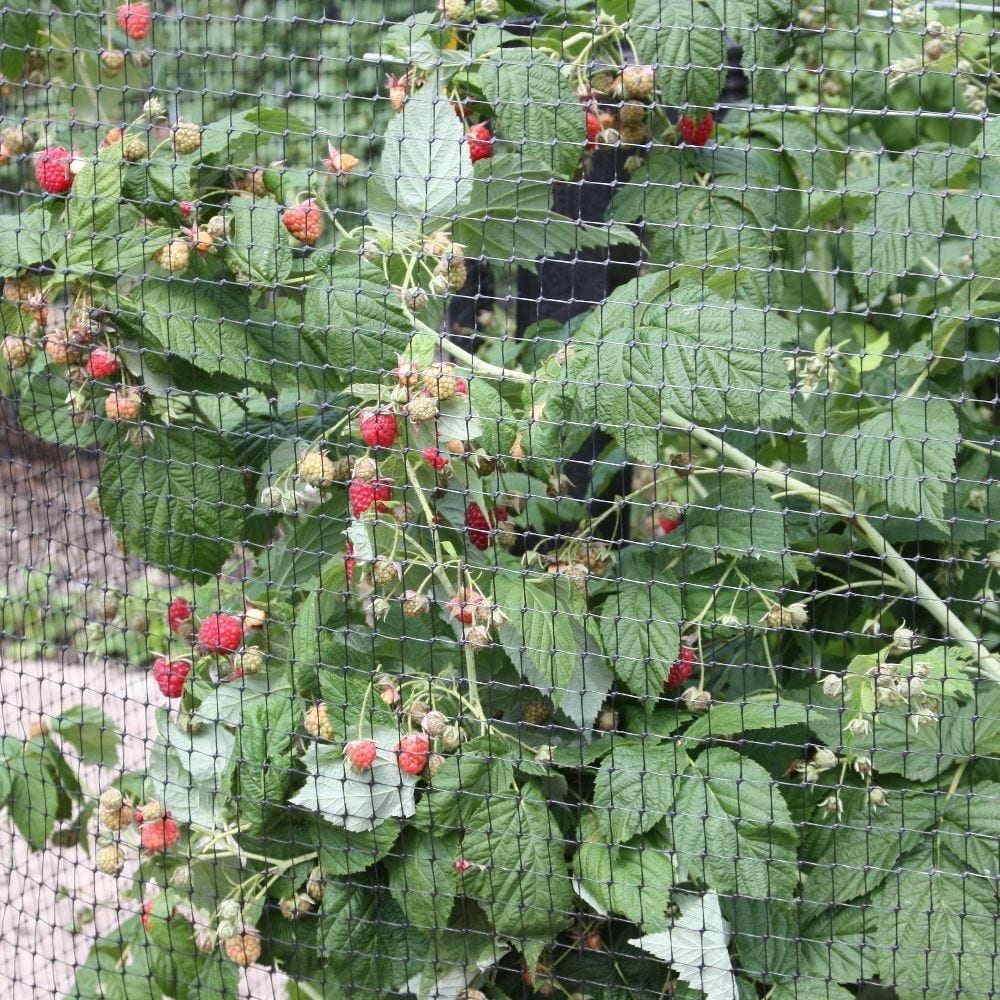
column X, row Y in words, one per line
column 46, row 896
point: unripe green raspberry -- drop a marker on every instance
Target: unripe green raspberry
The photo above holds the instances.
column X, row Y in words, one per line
column 422, row 409
column 415, row 604
column 151, row 811
column 249, row 662
column 365, row 469
column 637, row 82
column 135, row 150
column 113, row 813
column 457, row 274
column 386, row 571
column 316, row 722
column 439, row 380
column 537, row 712
column 113, row 60
column 243, row 949
column 187, row 137
column 317, row 469
column 110, row 859
column 174, row 256
column 16, row 351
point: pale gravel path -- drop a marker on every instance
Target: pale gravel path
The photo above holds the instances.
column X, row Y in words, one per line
column 43, row 894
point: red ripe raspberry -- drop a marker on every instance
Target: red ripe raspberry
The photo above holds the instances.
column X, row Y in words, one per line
column 52, row 169
column 304, row 221
column 170, row 675
column 681, row 669
column 160, row 834
column 593, row 129
column 220, row 633
column 696, row 134
column 101, row 363
column 411, row 752
column 147, row 907
column 382, row 492
column 668, row 524
column 134, row 19
column 360, row 496
column 704, row 130
column 178, row 612
column 185, row 207
column 349, row 562
column 480, row 141
column 378, row 428
column 478, row 526
column 461, row 386
column 361, row 753
column 432, row 455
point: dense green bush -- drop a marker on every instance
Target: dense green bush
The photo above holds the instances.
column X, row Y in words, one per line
column 751, row 750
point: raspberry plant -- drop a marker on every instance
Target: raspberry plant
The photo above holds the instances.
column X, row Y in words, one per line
column 424, row 730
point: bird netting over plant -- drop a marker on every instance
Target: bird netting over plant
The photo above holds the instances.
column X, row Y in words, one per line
column 498, row 499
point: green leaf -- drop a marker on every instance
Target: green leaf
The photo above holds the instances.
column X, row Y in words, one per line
column 761, row 27
column 43, row 412
column 539, row 634
column 94, row 201
column 176, row 501
column 263, row 757
column 921, row 754
column 639, row 626
column 634, row 788
column 901, row 226
column 28, row 238
column 536, row 107
column 34, row 798
column 803, row 988
column 632, row 880
column 517, row 874
column 702, row 361
column 425, row 163
column 18, row 26
column 342, row 852
column 101, row 975
column 936, row 934
column 312, row 647
column 685, row 41
column 364, row 937
column 740, row 519
column 87, row 728
column 355, row 322
column 422, row 878
column 902, row 454
column 970, row 827
column 852, row 856
column 510, row 217
column 258, row 243
column 729, row 719
column 733, row 829
column 357, row 801
column 463, row 785
column 207, row 324
column 832, row 942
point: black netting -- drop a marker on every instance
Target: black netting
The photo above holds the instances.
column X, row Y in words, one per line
column 498, row 500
